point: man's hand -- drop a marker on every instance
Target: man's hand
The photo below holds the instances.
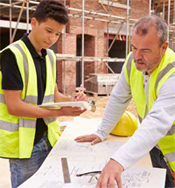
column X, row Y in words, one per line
column 94, row 139
column 110, row 174
column 70, row 111
column 80, row 96
column 59, row 97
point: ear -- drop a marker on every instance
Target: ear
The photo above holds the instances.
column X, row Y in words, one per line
column 34, row 22
column 164, row 47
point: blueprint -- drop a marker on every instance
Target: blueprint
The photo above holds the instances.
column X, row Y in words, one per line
column 84, row 157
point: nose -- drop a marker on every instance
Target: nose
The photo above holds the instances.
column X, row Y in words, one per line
column 137, row 54
column 52, row 37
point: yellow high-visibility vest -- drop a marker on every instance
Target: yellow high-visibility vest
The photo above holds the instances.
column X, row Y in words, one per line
column 158, row 77
column 17, row 133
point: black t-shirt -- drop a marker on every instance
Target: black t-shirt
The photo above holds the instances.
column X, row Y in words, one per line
column 11, row 78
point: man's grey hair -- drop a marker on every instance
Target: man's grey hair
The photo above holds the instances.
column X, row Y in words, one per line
column 143, row 25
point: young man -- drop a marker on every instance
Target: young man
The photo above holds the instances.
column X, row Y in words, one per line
column 148, row 76
column 28, row 79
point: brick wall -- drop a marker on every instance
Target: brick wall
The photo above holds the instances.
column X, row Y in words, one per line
column 139, row 9
column 95, row 39
column 89, row 51
column 66, row 70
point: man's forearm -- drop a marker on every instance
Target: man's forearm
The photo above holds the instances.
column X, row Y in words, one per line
column 118, row 102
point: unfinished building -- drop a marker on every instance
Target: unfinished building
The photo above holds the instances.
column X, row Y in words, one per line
column 95, row 41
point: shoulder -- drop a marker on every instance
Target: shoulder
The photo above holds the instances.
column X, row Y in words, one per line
column 9, row 51
column 7, row 55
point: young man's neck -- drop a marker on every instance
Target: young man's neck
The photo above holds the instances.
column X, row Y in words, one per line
column 34, row 43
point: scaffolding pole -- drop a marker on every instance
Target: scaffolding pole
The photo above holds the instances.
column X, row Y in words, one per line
column 64, row 62
column 82, row 53
column 5, row 5
column 107, row 40
column 95, row 13
column 169, row 3
column 27, row 15
column 100, row 14
column 92, row 18
column 19, row 17
column 127, row 27
column 77, row 15
column 115, row 37
column 87, row 58
column 174, row 13
column 10, row 22
column 149, row 7
column 163, row 9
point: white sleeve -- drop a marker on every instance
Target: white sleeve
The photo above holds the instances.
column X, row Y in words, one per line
column 154, row 127
column 118, row 101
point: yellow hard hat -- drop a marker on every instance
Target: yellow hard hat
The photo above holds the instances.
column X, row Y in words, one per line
column 126, row 126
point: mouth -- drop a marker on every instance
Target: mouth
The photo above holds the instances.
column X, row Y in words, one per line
column 48, row 44
column 140, row 62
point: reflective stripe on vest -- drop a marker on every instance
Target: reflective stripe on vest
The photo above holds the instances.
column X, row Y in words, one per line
column 49, row 98
column 163, row 73
column 2, row 99
column 27, row 123
column 50, row 57
column 129, row 65
column 165, row 69
column 25, row 64
column 50, row 120
column 170, row 156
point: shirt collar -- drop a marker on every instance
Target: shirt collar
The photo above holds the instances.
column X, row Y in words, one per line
column 31, row 48
column 145, row 74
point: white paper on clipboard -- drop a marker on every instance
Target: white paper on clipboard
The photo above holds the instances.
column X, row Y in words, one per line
column 80, row 104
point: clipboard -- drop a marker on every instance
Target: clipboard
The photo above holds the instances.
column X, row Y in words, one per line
column 58, row 105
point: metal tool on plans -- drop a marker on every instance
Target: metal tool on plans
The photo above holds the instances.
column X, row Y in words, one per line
column 92, row 174
column 65, row 168
column 93, row 107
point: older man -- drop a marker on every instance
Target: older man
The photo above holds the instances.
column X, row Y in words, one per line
column 148, row 76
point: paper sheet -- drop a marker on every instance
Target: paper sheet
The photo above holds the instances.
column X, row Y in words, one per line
column 84, row 157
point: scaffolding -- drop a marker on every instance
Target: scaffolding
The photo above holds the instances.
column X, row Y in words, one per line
column 160, row 7
column 166, row 10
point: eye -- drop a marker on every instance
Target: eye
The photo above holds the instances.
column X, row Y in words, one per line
column 133, row 48
column 146, row 51
column 48, row 31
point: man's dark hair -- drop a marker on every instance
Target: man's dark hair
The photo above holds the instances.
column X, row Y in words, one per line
column 51, row 9
column 143, row 25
